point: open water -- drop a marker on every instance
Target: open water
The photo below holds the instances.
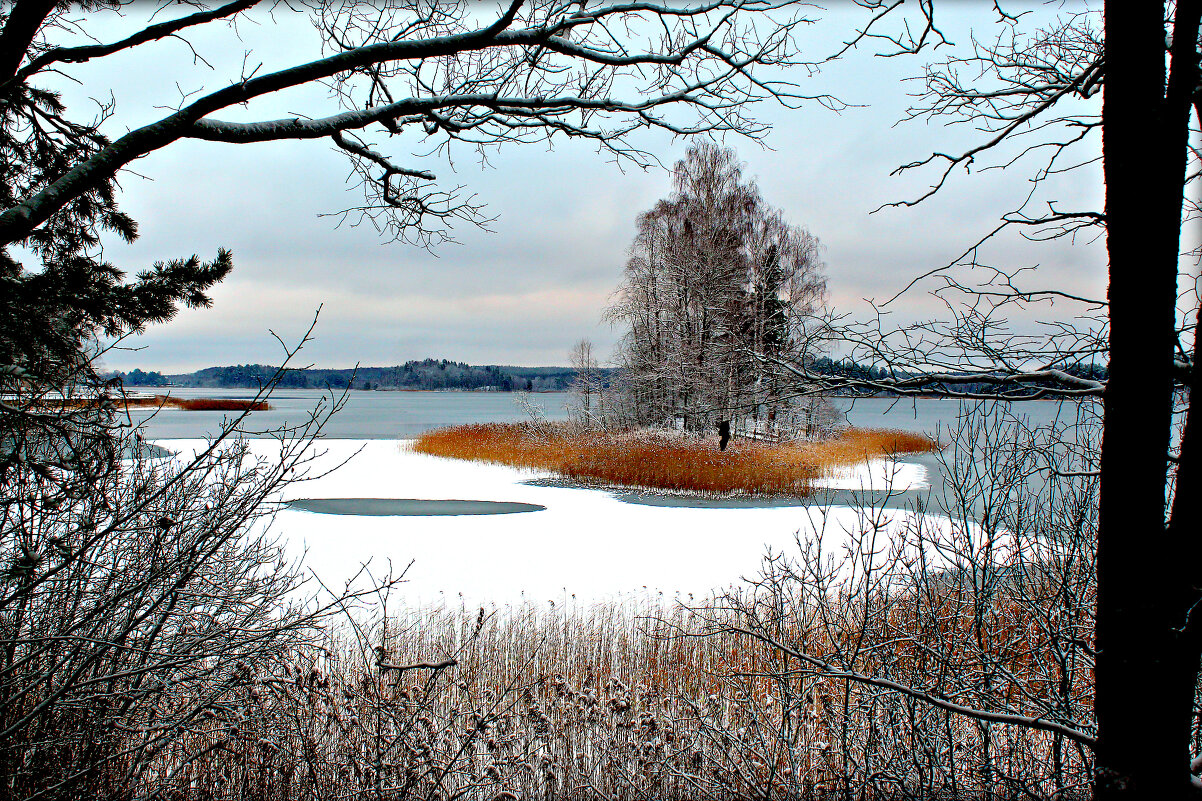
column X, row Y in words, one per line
column 401, row 415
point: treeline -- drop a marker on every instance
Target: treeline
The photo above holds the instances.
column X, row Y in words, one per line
column 867, row 373
column 436, row 374
column 424, row 374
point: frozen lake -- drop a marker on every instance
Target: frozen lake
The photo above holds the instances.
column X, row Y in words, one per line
column 403, row 415
column 389, row 506
column 555, row 542
column 366, row 415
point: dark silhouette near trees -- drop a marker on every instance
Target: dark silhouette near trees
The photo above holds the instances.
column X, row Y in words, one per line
column 723, row 434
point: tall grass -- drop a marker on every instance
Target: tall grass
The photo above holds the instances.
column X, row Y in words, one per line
column 666, row 460
column 743, row 696
column 617, row 701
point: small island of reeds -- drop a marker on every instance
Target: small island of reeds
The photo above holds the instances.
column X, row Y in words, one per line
column 668, row 460
column 162, row 402
column 198, row 404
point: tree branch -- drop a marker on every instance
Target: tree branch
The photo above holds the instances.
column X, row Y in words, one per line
column 152, row 33
column 1076, row 735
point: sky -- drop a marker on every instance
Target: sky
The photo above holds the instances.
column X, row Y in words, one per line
column 524, row 293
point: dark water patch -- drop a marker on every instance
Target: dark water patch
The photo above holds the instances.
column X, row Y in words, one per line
column 409, row 507
column 670, row 499
column 145, row 450
column 925, row 498
column 558, row 482
column 650, row 497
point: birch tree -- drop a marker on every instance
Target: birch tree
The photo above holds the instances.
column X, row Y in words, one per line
column 587, row 383
column 713, row 274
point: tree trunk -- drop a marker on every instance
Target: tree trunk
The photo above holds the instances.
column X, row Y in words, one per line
column 1146, row 666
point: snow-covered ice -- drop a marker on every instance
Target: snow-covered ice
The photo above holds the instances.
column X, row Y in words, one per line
column 587, row 543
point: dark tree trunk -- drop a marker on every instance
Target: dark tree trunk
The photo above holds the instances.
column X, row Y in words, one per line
column 24, row 20
column 1147, row 659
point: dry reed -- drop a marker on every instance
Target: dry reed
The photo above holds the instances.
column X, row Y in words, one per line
column 161, row 401
column 582, row 703
column 197, row 404
column 666, row 460
column 215, row 404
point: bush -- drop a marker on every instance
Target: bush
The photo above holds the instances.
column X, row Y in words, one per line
column 138, row 596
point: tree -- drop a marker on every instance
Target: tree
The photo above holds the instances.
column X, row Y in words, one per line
column 530, row 71
column 137, row 377
column 586, row 383
column 1039, row 92
column 445, row 74
column 714, row 273
column 950, row 652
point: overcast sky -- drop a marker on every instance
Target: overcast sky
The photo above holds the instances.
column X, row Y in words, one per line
column 565, row 217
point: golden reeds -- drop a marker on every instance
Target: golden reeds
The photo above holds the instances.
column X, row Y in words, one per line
column 214, row 404
column 169, row 402
column 543, row 700
column 666, row 460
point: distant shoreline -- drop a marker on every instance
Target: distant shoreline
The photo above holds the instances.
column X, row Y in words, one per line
column 449, row 390
column 484, row 391
column 942, row 397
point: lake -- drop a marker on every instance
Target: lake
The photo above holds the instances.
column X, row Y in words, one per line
column 366, row 415
column 402, row 415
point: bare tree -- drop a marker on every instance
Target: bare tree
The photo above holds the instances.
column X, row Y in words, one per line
column 140, row 592
column 712, row 273
column 443, row 72
column 587, row 382
column 143, row 610
column 939, row 655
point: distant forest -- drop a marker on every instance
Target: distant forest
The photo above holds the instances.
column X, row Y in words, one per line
column 426, row 374
column 441, row 374
column 845, row 368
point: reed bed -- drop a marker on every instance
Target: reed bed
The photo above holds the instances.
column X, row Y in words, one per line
column 152, row 402
column 215, row 404
column 197, row 404
column 617, row 701
column 664, row 460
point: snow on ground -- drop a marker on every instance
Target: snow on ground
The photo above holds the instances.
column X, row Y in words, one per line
column 587, row 543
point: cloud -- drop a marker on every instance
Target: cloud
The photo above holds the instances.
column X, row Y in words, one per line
column 565, row 217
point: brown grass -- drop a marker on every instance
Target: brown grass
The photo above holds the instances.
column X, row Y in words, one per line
column 217, row 404
column 169, row 402
column 542, row 701
column 665, row 460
